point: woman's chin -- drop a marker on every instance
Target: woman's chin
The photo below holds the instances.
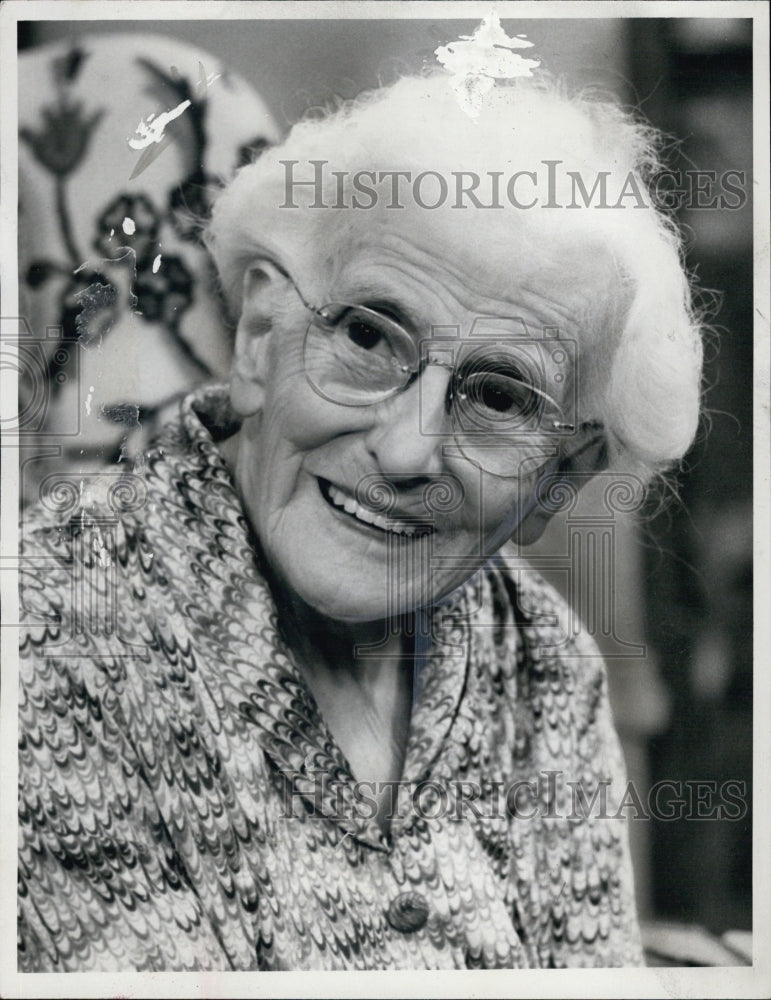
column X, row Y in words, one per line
column 357, row 611
column 353, row 598
column 352, row 572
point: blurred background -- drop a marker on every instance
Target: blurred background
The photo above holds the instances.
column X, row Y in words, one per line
column 680, row 648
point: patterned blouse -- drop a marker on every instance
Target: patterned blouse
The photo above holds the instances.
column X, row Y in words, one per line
column 184, row 806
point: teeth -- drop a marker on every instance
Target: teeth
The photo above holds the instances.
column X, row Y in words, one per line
column 351, row 506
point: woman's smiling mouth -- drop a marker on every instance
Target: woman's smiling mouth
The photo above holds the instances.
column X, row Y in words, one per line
column 346, row 503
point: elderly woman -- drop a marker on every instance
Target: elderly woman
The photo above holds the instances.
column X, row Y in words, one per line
column 335, row 723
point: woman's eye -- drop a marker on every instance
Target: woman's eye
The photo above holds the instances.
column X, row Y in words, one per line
column 505, row 395
column 364, row 334
column 500, row 394
column 500, row 398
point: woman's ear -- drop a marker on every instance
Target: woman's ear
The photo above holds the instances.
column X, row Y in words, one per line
column 263, row 289
column 581, row 460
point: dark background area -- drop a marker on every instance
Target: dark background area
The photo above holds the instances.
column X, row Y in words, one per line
column 699, row 562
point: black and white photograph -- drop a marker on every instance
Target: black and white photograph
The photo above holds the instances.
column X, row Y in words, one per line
column 385, row 499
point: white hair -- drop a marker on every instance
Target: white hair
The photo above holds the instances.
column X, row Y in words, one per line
column 643, row 378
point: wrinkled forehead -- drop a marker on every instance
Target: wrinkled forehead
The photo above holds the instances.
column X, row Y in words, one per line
column 455, row 267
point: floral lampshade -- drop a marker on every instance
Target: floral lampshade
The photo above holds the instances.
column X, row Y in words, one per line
column 123, row 140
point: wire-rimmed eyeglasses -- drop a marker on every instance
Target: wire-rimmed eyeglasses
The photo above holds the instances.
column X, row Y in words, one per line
column 502, row 418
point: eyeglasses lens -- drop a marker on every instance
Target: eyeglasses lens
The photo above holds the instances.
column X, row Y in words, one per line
column 357, row 357
column 502, row 420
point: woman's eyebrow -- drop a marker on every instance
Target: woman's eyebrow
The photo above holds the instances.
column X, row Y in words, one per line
column 384, row 301
column 392, row 308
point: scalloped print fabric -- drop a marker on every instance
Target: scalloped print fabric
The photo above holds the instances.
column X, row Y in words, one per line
column 183, row 805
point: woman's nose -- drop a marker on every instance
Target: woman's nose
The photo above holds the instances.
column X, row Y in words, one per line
column 410, row 429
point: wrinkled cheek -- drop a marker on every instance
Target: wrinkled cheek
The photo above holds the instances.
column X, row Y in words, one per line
column 436, row 565
column 485, row 515
column 279, row 462
column 502, row 505
column 296, row 414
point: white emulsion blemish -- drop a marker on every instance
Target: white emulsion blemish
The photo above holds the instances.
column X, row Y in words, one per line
column 477, row 61
column 87, row 401
column 157, row 264
column 151, row 129
column 129, row 226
